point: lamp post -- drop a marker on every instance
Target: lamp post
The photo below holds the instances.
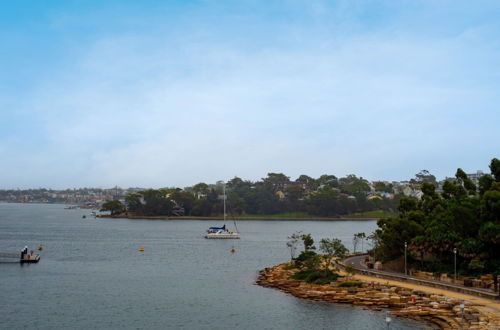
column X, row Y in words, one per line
column 406, row 272
column 387, row 319
column 455, row 252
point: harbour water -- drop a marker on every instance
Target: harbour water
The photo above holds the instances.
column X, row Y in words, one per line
column 92, row 276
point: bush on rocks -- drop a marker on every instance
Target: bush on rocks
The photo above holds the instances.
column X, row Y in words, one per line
column 316, row 276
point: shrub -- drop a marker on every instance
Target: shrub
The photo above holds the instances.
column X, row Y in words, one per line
column 315, row 276
column 290, row 266
column 307, row 259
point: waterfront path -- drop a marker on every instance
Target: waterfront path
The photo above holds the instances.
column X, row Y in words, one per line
column 487, row 305
column 358, row 263
column 402, row 299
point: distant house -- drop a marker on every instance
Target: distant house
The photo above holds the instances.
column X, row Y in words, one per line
column 475, row 176
column 407, row 190
column 280, row 195
column 417, row 194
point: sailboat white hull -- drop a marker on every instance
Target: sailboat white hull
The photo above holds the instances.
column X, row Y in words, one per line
column 222, row 232
column 222, row 235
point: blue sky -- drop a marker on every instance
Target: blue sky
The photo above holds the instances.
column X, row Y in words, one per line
column 171, row 93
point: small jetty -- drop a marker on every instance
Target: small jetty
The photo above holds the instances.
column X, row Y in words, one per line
column 19, row 257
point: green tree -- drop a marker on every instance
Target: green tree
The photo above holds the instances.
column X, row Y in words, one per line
column 490, row 203
column 308, row 260
column 328, row 180
column 392, row 234
column 308, row 242
column 381, row 186
column 358, row 238
column 424, row 176
column 134, row 203
column 262, row 199
column 324, row 202
column 407, row 204
column 332, row 248
column 183, row 199
column 305, row 179
column 115, row 207
column 202, row 207
column 495, row 169
column 156, row 203
column 292, row 242
column 235, row 204
column 435, row 225
column 201, row 188
column 351, row 184
column 277, row 180
column 485, row 182
column 294, row 193
column 467, row 183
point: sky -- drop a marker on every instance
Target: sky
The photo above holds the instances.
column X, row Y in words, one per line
column 171, row 93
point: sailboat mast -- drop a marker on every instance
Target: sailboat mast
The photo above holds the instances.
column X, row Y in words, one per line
column 224, row 193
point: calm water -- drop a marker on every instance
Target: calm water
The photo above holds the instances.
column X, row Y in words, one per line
column 91, row 275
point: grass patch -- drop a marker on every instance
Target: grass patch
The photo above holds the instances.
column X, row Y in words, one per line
column 371, row 214
column 316, row 276
column 301, row 215
column 304, row 215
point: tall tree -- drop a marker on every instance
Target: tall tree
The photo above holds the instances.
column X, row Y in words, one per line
column 495, row 169
column 277, row 180
column 305, row 179
column 115, row 207
column 332, row 248
column 351, row 184
column 424, row 176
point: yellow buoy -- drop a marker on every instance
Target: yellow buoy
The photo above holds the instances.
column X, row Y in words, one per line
column 141, row 248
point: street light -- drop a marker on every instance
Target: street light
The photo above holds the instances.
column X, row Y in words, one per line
column 406, row 273
column 387, row 319
column 455, row 252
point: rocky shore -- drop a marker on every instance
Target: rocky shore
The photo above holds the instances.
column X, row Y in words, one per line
column 442, row 311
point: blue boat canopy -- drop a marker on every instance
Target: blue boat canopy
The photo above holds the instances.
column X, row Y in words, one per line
column 218, row 228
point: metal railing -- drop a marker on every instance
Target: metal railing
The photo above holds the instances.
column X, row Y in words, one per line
column 425, row 282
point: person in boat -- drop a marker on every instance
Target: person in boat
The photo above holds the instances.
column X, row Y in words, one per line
column 24, row 252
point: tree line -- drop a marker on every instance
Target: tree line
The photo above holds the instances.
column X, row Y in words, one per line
column 463, row 220
column 327, row 196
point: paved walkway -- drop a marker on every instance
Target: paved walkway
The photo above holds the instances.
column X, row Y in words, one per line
column 488, row 306
column 358, row 263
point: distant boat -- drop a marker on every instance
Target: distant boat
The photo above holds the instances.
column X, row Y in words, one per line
column 223, row 232
column 30, row 259
column 24, row 257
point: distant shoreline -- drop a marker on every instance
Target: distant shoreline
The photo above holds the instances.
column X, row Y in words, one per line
column 139, row 217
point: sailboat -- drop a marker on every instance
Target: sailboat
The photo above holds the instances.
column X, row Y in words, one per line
column 223, row 232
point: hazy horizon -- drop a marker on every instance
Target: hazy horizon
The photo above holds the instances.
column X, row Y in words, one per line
column 155, row 93
column 215, row 182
